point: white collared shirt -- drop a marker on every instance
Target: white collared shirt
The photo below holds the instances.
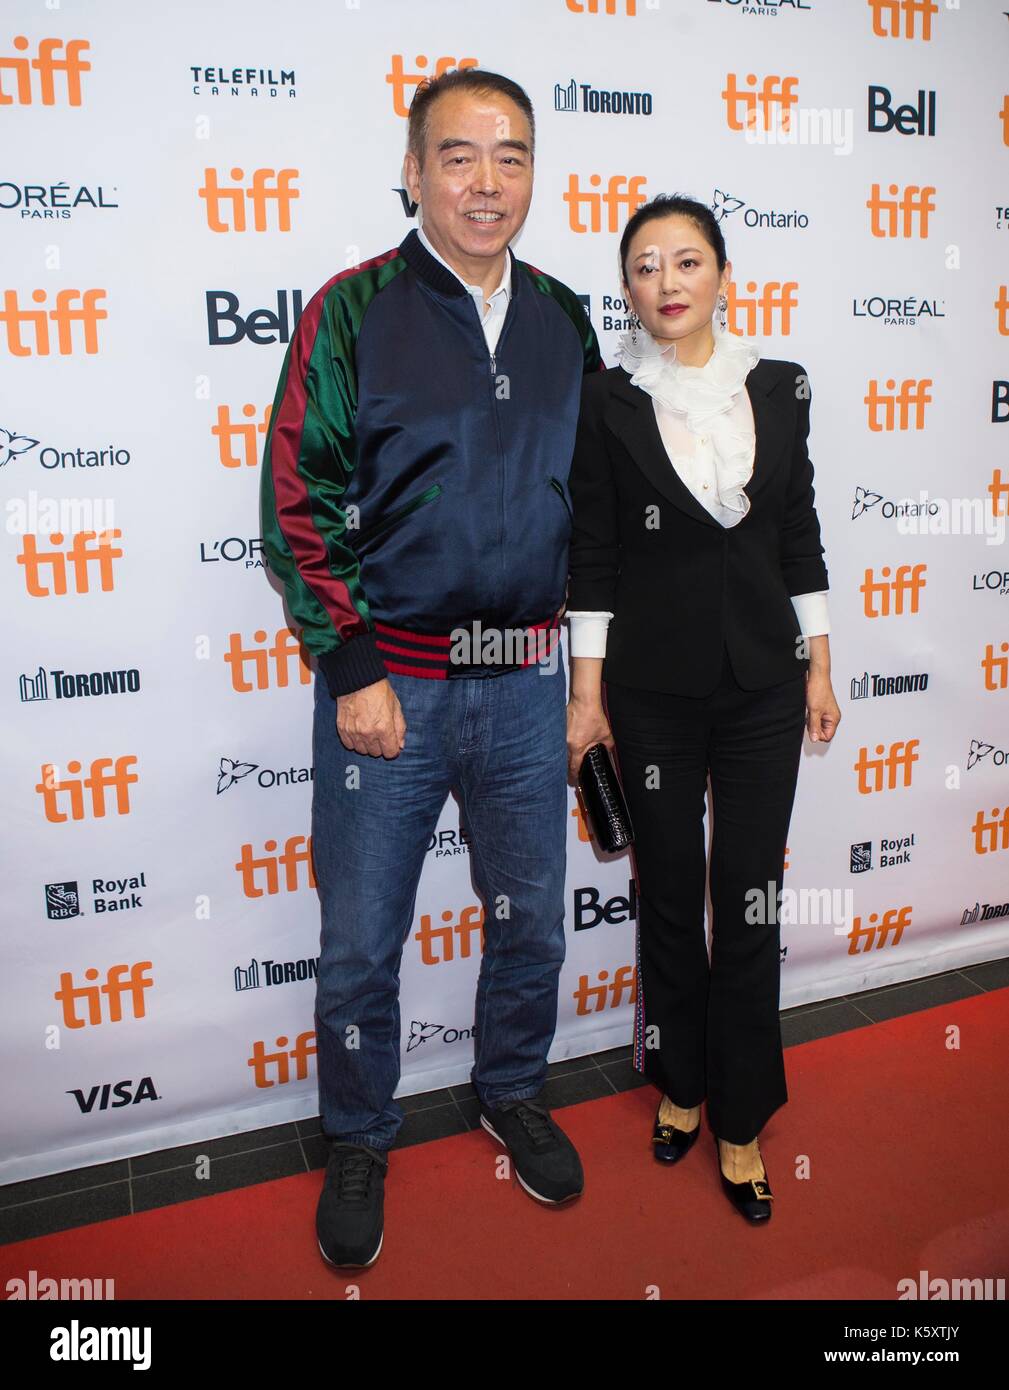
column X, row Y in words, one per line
column 491, row 318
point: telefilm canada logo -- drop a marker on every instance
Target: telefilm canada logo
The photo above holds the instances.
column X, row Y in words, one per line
column 257, row 82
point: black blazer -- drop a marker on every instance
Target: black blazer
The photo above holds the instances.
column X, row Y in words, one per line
column 680, row 590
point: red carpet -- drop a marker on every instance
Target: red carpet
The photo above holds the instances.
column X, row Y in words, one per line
column 902, row 1134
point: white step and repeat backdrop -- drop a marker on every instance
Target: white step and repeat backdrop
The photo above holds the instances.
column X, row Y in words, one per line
column 177, row 181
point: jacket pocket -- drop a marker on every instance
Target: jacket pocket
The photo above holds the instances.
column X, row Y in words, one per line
column 559, row 489
column 378, row 528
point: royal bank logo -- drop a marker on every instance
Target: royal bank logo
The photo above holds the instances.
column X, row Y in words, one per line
column 62, row 901
column 892, row 851
column 581, row 97
column 861, row 857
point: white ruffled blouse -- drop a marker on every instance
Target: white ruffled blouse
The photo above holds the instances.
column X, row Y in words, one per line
column 706, row 422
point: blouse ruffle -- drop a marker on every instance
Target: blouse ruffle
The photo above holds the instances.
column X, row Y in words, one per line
column 704, row 396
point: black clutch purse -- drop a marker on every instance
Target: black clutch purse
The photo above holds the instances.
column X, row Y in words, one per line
column 603, row 801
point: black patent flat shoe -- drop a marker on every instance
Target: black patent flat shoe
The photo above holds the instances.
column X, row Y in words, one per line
column 752, row 1198
column 671, row 1144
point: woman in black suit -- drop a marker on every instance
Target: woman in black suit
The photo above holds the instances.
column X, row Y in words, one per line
column 698, row 594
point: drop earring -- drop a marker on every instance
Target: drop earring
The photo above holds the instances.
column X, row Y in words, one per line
column 723, row 304
column 635, row 325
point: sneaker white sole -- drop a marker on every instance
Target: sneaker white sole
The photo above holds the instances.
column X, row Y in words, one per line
column 547, row 1201
column 366, row 1265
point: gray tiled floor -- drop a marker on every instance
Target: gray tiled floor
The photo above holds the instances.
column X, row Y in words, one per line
column 42, row 1206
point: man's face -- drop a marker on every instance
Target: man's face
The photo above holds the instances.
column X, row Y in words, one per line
column 477, row 180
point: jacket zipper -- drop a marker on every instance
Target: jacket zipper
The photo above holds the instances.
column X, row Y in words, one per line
column 556, row 485
column 377, row 527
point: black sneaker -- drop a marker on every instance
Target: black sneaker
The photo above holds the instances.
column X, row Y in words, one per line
column 546, row 1162
column 348, row 1220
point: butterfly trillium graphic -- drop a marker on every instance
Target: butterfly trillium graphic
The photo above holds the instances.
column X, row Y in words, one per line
column 978, row 750
column 420, row 1032
column 13, row 444
column 231, row 772
column 864, row 499
column 722, row 205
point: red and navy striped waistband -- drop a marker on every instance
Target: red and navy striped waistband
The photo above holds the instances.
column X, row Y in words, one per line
column 440, row 656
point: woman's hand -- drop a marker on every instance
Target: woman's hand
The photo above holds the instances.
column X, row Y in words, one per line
column 823, row 714
column 587, row 726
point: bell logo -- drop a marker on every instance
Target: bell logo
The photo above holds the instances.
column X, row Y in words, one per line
column 226, row 203
column 114, row 988
column 892, row 410
column 87, row 549
column 399, row 80
column 622, row 196
column 885, row 597
column 53, row 789
column 913, row 205
column 990, row 836
column 279, row 1062
column 776, row 98
column 996, row 668
column 607, row 993
column 877, row 932
column 244, row 437
column 775, row 302
column 879, row 774
column 46, row 64
column 286, row 646
column 470, row 924
column 67, row 312
column 297, row 851
column 887, row 14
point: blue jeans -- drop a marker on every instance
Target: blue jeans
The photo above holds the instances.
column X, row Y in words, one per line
column 499, row 743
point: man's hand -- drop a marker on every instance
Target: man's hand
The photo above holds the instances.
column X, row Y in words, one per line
column 371, row 721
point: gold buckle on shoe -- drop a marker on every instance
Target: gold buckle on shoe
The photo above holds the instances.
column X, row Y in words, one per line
column 664, row 1135
column 757, row 1184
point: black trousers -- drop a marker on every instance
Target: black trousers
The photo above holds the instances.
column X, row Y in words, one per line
column 710, row 1031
